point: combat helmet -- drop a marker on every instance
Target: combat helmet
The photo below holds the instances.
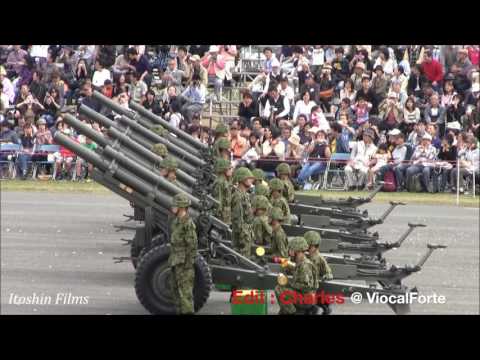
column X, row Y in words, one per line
column 224, row 144
column 241, row 174
column 298, row 244
column 160, row 149
column 221, row 165
column 277, row 214
column 312, row 237
column 159, row 130
column 261, row 202
column 169, row 163
column 262, row 189
column 221, row 129
column 276, row 184
column 283, row 169
column 181, row 201
column 259, row 174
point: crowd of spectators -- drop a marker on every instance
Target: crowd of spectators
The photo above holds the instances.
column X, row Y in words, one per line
column 404, row 112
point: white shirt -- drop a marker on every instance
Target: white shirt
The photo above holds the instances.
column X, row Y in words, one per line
column 40, row 51
column 302, row 108
column 318, row 57
column 99, row 77
column 288, row 93
column 361, row 154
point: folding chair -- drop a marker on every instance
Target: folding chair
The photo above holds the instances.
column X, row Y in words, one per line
column 10, row 152
column 49, row 150
column 335, row 171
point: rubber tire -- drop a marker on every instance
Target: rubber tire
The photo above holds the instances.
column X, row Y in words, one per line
column 158, row 257
column 136, row 252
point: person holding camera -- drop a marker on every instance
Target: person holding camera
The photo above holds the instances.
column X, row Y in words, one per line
column 195, row 96
column 319, row 150
column 215, row 65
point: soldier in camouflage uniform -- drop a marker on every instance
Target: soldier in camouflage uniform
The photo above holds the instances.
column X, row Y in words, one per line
column 242, row 216
column 262, row 230
column 321, row 266
column 159, row 130
column 223, row 147
column 259, row 178
column 168, row 169
column 222, row 190
column 160, row 149
column 303, row 282
column 283, row 172
column 183, row 250
column 278, row 200
column 279, row 238
column 221, row 132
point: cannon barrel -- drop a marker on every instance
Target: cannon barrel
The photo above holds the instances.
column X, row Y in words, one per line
column 138, row 138
column 155, row 138
column 158, row 120
column 134, row 175
column 137, row 152
column 152, row 117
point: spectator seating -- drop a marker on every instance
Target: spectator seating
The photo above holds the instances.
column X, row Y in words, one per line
column 48, row 150
column 8, row 155
column 335, row 172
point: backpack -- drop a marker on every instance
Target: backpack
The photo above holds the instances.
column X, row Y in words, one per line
column 390, row 184
column 414, row 184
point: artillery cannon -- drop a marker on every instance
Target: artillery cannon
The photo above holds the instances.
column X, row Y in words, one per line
column 119, row 166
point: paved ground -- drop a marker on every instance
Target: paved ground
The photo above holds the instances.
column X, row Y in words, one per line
column 60, row 244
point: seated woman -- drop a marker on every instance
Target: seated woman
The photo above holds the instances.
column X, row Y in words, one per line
column 317, row 149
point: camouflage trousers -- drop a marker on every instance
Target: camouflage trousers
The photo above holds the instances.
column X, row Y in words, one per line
column 242, row 240
column 290, row 300
column 285, row 300
column 183, row 276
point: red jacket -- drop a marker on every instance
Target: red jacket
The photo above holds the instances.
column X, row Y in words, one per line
column 433, row 70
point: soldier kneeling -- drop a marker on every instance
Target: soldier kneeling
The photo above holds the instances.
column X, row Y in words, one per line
column 298, row 297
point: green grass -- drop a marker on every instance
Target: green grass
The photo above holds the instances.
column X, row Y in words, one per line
column 93, row 187
column 409, row 198
column 53, row 186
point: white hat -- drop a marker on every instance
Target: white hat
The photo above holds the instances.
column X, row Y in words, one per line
column 360, row 65
column 275, row 63
column 427, row 136
column 294, row 139
column 454, row 125
column 213, row 48
column 195, row 58
column 394, row 132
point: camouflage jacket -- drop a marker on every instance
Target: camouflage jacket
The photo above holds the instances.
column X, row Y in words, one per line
column 282, row 203
column 242, row 215
column 262, row 231
column 288, row 191
column 303, row 277
column 183, row 242
column 279, row 243
column 321, row 266
column 222, row 191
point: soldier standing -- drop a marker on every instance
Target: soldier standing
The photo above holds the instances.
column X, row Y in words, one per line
column 259, row 178
column 277, row 198
column 223, row 147
column 160, row 149
column 299, row 294
column 222, row 190
column 279, row 238
column 221, row 132
column 183, row 249
column 320, row 264
column 262, row 230
column 168, row 169
column 283, row 172
column 242, row 216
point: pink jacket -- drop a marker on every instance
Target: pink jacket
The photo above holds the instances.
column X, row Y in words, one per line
column 217, row 68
